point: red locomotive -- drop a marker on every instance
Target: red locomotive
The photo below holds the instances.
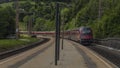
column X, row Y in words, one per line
column 84, row 35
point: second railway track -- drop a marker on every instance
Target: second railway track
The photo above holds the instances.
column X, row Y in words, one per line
column 111, row 55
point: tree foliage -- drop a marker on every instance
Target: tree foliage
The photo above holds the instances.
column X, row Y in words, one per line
column 7, row 22
column 75, row 13
column 78, row 13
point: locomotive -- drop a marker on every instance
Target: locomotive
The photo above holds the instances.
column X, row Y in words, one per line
column 82, row 35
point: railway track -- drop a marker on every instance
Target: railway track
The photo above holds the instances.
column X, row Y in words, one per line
column 22, row 49
column 111, row 55
column 91, row 57
column 21, row 59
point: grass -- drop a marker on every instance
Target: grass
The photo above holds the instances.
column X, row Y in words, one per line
column 6, row 44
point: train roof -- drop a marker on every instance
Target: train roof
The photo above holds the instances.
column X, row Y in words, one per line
column 79, row 29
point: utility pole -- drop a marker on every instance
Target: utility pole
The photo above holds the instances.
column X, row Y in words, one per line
column 100, row 9
column 59, row 20
column 29, row 25
column 57, row 39
column 17, row 19
column 63, row 31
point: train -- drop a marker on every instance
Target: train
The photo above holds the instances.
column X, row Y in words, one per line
column 83, row 35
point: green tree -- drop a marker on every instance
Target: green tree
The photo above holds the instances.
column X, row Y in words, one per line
column 39, row 24
column 7, row 22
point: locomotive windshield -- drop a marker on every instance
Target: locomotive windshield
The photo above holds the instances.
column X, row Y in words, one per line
column 86, row 31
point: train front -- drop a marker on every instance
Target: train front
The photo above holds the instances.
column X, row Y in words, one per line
column 86, row 35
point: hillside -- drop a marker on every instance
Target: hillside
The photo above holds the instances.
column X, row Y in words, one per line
column 75, row 13
column 108, row 25
column 86, row 13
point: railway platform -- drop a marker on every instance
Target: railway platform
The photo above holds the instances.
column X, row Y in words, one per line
column 72, row 56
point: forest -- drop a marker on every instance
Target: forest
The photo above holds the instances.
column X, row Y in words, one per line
column 103, row 19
